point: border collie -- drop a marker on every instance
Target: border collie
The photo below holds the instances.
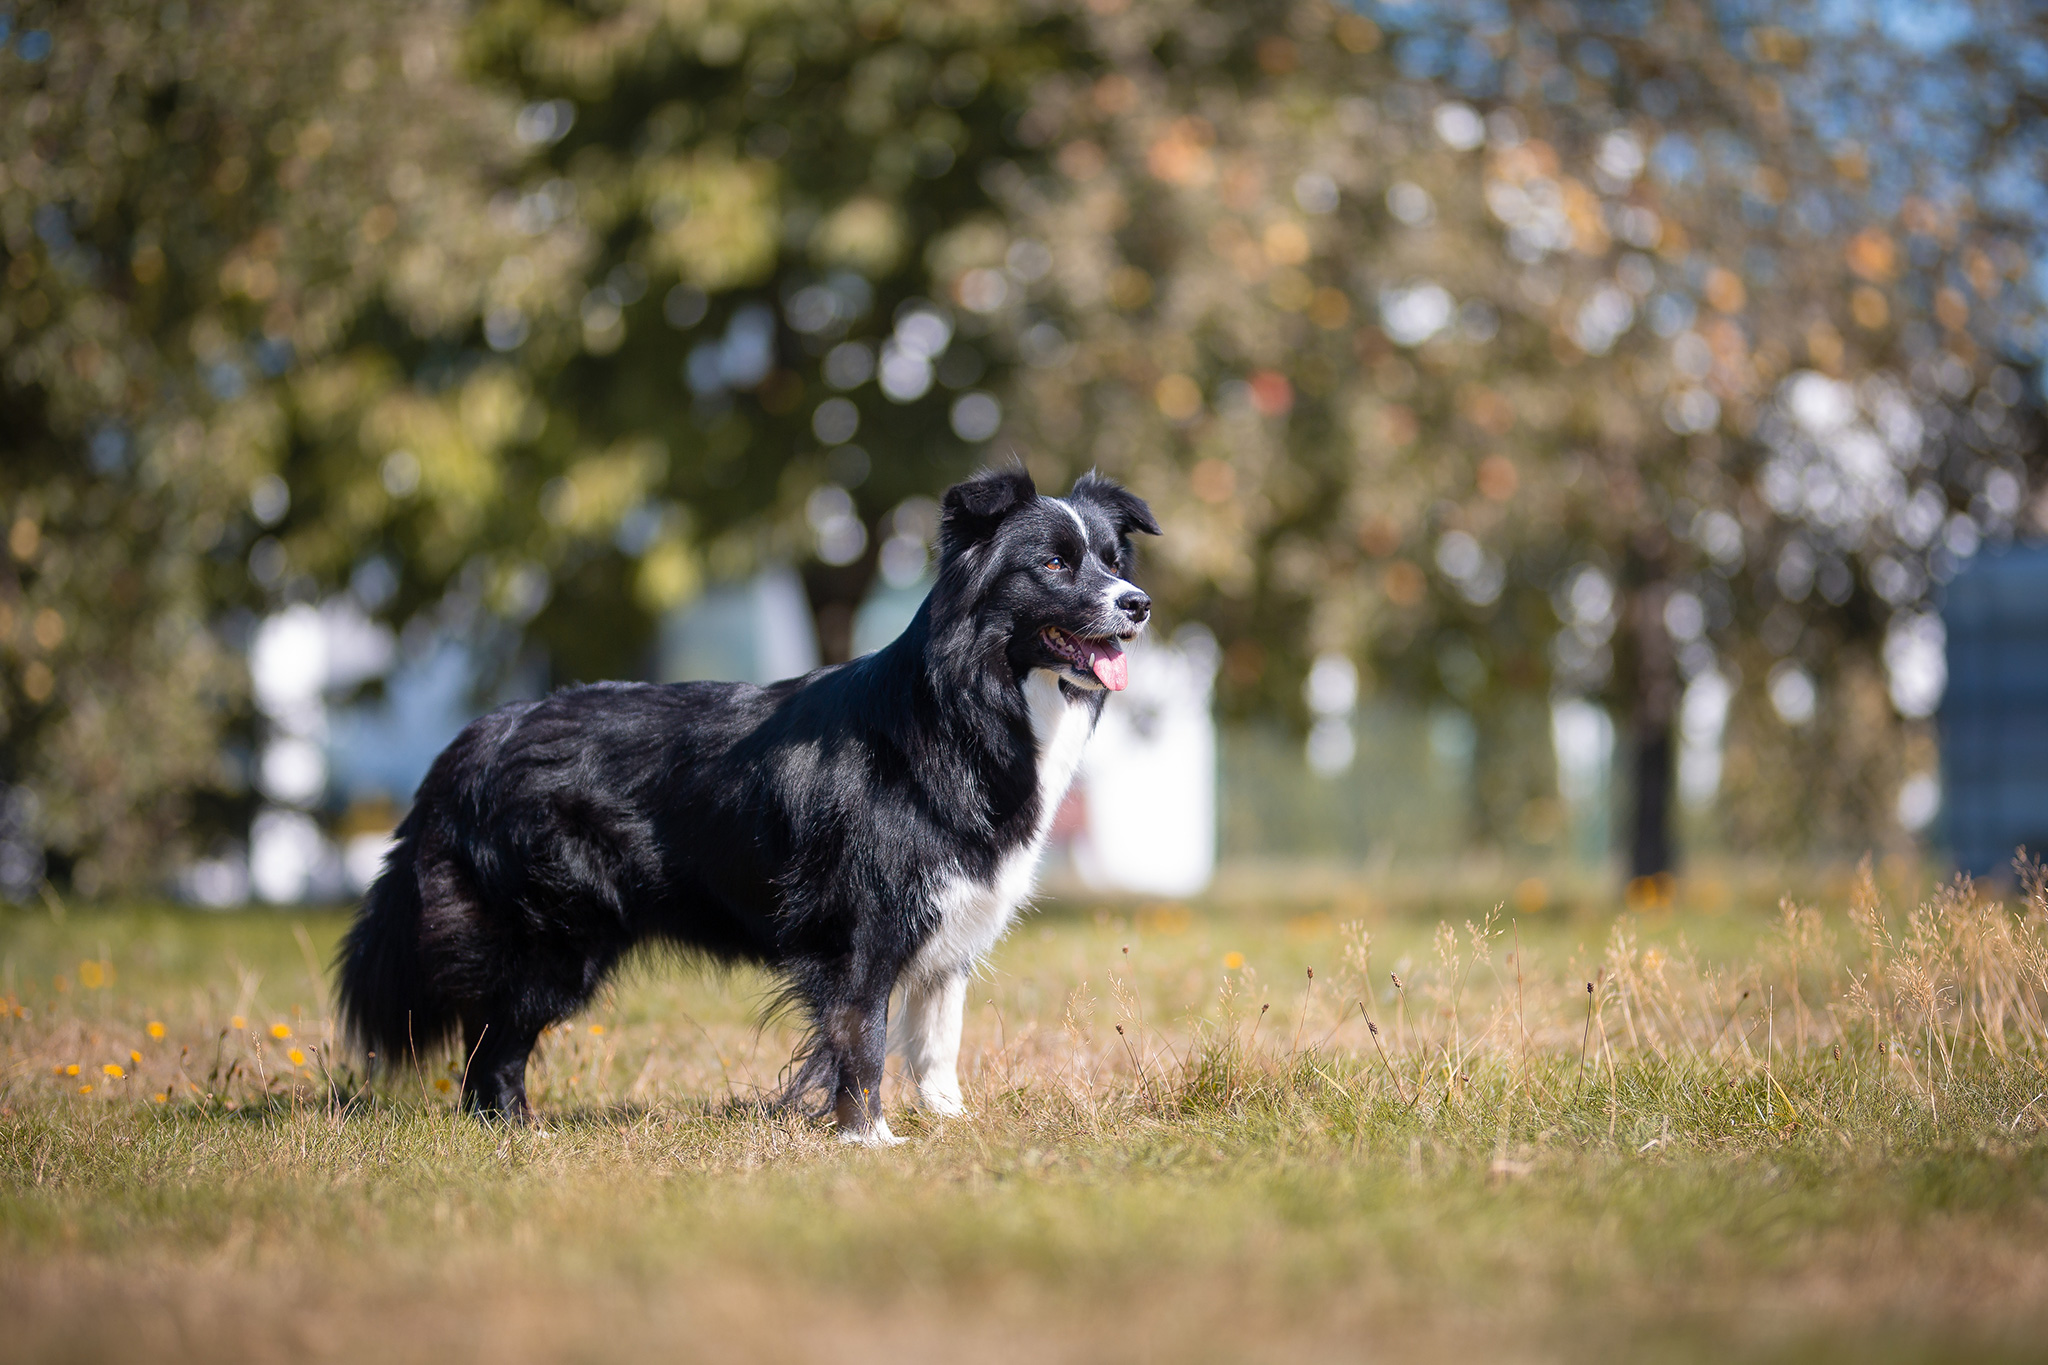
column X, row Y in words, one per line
column 868, row 826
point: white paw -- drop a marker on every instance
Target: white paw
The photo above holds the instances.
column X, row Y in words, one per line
column 877, row 1136
column 943, row 1104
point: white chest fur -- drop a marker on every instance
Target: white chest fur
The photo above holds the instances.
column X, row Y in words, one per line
column 1061, row 729
column 972, row 913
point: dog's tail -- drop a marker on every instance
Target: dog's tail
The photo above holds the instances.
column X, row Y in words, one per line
column 391, row 1005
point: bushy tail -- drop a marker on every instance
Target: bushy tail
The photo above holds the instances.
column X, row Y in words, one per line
column 391, row 1007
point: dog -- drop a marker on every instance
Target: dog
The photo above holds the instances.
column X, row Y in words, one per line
column 868, row 826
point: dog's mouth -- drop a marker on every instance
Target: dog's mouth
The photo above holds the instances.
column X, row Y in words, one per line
column 1101, row 657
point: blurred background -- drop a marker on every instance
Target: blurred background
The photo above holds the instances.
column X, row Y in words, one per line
column 1596, row 440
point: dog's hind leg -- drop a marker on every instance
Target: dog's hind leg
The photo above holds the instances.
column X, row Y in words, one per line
column 495, row 1050
column 926, row 1034
column 857, row 1031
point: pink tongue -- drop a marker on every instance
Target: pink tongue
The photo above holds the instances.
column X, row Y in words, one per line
column 1114, row 670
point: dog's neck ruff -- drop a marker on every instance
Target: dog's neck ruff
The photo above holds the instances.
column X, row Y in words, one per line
column 972, row 914
column 1060, row 726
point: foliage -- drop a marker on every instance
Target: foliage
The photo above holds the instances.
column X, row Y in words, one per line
column 1514, row 348
column 1482, row 344
column 1664, row 353
column 773, row 201
column 197, row 203
column 238, row 238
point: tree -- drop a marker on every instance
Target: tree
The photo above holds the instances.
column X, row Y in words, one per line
column 1504, row 349
column 1448, row 333
column 229, row 231
column 770, row 203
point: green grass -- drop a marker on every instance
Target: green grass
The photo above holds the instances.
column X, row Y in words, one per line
column 1692, row 1173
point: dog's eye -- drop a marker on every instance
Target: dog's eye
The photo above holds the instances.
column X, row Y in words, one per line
column 1056, row 563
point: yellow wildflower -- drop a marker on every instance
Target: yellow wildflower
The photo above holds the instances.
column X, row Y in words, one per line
column 85, row 1090
column 114, row 1070
column 92, row 975
column 71, row 1070
column 280, row 1031
column 156, row 1028
column 1232, row 961
column 597, row 1030
column 443, row 1084
column 238, row 1022
column 161, row 1097
column 297, row 1057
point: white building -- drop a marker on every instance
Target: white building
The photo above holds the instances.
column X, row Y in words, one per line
column 1148, row 785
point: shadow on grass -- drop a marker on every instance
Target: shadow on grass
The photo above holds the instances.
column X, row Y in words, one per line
column 355, row 1099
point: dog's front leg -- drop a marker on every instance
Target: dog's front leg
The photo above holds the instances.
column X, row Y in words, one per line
column 927, row 1037
column 859, row 1033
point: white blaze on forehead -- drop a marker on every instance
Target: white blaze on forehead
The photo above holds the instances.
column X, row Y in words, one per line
column 1068, row 508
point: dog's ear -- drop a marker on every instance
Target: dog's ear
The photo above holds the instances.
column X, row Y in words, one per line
column 973, row 509
column 1125, row 508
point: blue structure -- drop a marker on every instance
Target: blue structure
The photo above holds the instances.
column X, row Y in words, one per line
column 1994, row 715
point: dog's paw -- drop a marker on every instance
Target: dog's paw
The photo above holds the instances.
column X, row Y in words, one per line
column 943, row 1104
column 876, row 1136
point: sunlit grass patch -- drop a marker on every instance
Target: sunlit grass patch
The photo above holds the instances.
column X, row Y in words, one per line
column 1201, row 1135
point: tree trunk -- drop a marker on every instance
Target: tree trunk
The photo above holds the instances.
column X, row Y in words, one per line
column 1653, row 691
column 835, row 593
column 1650, row 758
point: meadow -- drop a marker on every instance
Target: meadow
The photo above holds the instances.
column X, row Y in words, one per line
column 1342, row 1124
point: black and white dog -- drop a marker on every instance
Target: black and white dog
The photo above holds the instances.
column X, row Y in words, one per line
column 868, row 826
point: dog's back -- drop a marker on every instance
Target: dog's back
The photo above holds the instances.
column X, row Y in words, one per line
column 540, row 848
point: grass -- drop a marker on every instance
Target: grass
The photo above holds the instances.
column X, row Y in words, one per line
column 1801, row 1133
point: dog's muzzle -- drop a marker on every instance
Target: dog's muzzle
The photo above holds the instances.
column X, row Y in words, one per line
column 1100, row 656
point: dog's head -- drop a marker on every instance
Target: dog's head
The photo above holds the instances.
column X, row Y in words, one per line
column 1048, row 572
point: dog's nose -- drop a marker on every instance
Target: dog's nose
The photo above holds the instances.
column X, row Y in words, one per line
column 1135, row 605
